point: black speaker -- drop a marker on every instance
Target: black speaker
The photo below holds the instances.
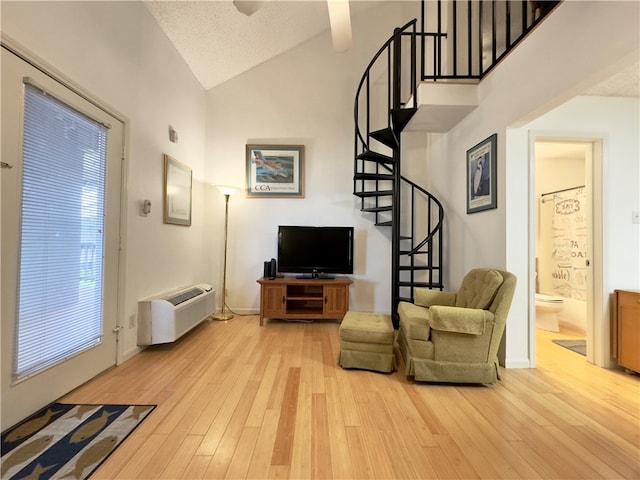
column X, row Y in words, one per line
column 270, row 268
column 267, row 269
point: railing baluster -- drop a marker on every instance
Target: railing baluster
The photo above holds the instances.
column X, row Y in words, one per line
column 480, row 49
column 455, row 39
column 469, row 36
column 422, row 41
column 439, row 39
column 389, row 99
column 508, row 14
column 494, row 37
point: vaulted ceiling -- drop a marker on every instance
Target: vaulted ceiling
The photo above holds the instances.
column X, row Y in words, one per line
column 219, row 42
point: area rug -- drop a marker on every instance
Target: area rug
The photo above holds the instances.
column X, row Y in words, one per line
column 67, row 441
column 578, row 346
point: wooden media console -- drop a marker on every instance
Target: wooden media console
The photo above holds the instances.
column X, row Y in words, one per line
column 304, row 299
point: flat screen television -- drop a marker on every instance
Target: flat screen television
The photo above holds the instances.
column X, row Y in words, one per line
column 315, row 252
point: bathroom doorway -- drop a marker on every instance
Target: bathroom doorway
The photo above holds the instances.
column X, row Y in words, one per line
column 564, row 242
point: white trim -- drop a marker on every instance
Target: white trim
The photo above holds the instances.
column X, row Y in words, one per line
column 32, row 59
column 518, row 363
column 598, row 336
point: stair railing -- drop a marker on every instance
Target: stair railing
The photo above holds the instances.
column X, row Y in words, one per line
column 427, row 273
column 394, row 86
column 380, row 116
column 469, row 38
column 461, row 41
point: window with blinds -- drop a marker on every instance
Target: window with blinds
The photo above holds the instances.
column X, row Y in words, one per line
column 60, row 287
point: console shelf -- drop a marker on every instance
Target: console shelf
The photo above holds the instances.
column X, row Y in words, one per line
column 290, row 297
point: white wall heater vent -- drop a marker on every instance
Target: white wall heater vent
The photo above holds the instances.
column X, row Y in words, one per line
column 165, row 318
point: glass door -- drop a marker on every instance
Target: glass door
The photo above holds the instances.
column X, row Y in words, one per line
column 60, row 238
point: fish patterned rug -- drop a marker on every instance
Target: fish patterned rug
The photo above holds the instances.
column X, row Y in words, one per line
column 67, row 441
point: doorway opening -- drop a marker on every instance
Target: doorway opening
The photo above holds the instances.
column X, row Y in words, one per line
column 564, row 243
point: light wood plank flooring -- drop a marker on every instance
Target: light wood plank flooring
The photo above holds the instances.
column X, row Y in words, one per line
column 236, row 400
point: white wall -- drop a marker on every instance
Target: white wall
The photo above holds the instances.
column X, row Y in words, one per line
column 304, row 96
column 617, row 122
column 558, row 60
column 117, row 52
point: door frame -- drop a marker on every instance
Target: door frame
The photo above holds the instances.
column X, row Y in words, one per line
column 34, row 61
column 49, row 70
column 598, row 335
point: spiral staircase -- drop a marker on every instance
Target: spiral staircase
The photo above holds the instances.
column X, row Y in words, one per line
column 458, row 42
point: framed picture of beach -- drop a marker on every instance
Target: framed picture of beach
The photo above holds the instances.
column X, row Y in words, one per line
column 481, row 176
column 275, row 171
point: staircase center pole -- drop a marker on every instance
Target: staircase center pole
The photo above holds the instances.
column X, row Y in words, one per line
column 395, row 213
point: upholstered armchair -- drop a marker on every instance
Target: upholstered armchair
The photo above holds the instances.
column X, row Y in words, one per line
column 455, row 337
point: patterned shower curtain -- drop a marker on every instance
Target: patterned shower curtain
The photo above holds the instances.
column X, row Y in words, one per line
column 563, row 244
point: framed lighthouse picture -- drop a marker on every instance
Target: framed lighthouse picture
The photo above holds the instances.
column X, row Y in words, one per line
column 275, row 171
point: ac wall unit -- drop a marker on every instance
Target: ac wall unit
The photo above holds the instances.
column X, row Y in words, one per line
column 165, row 318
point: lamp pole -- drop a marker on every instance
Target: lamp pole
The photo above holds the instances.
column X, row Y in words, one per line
column 223, row 315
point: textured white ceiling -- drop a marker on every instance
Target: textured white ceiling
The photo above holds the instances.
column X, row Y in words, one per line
column 218, row 42
column 623, row 84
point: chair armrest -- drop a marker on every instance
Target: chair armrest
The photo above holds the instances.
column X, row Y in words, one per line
column 459, row 320
column 425, row 297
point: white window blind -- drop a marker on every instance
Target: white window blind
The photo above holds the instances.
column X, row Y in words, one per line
column 61, row 238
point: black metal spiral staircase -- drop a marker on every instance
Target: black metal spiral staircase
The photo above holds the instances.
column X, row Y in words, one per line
column 416, row 259
column 482, row 33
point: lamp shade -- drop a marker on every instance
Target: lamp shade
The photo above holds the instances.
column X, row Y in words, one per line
column 227, row 189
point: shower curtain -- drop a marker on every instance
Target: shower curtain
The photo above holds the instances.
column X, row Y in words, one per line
column 562, row 243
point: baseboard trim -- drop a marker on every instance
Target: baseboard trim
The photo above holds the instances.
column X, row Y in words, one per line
column 517, row 363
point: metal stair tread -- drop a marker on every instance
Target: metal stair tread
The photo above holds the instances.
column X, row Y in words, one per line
column 401, row 117
column 375, row 193
column 408, row 268
column 375, row 157
column 422, row 284
column 386, row 137
column 377, row 209
column 373, row 176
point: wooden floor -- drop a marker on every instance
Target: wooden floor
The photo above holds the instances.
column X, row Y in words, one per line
column 236, row 400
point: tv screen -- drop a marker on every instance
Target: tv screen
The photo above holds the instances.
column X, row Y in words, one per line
column 315, row 251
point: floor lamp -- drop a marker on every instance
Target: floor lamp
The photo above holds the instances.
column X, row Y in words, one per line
column 227, row 192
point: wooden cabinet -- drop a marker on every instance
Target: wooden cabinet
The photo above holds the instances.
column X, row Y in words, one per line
column 290, row 297
column 626, row 324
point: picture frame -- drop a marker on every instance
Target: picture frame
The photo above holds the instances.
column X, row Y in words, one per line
column 275, row 171
column 482, row 176
column 177, row 192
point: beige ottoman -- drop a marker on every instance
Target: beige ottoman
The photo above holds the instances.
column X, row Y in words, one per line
column 366, row 342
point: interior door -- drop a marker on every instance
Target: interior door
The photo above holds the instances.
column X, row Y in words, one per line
column 22, row 394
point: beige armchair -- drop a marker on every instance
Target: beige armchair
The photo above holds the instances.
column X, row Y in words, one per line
column 455, row 337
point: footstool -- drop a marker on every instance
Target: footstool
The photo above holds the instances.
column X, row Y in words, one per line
column 366, row 342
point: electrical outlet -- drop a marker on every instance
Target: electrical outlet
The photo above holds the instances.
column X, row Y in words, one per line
column 132, row 321
column 635, row 216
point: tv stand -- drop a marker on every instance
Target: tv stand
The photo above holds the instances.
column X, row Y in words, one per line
column 315, row 276
column 304, row 298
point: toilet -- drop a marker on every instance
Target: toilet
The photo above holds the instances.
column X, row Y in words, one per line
column 547, row 309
